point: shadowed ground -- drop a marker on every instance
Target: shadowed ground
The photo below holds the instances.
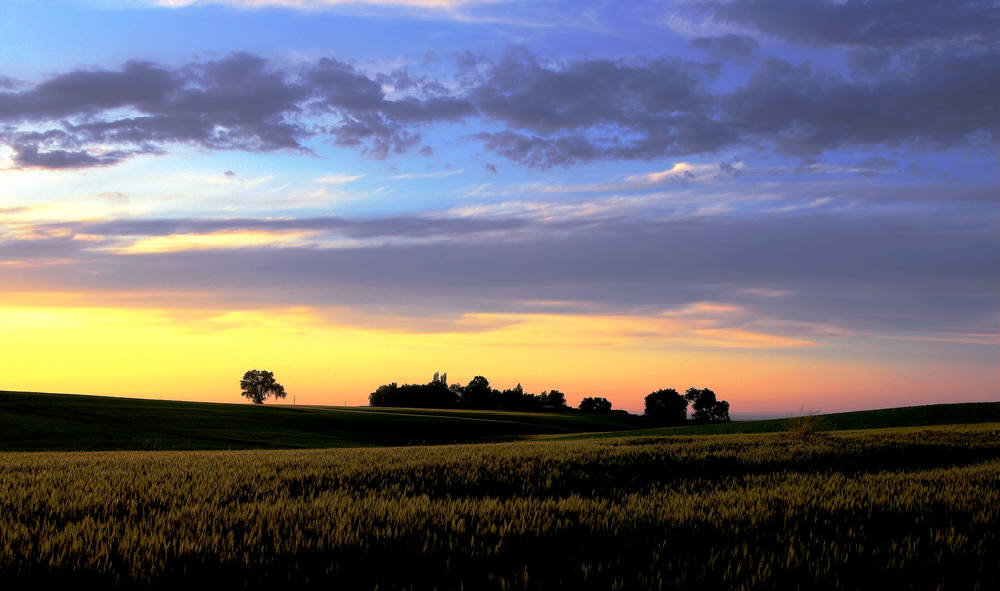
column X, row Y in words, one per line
column 65, row 422
column 38, row 422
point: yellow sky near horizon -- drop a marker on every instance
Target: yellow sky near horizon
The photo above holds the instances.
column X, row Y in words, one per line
column 338, row 355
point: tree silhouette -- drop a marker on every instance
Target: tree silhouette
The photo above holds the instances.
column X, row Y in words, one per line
column 553, row 399
column 666, row 407
column 478, row 394
column 258, row 385
column 705, row 406
column 595, row 404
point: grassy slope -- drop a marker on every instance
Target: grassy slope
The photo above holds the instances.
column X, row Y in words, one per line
column 907, row 416
column 30, row 422
column 34, row 422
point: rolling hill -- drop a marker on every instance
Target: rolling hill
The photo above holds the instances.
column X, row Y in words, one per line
column 37, row 422
column 67, row 422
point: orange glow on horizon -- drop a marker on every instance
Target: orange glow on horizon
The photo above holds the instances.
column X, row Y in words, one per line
column 338, row 355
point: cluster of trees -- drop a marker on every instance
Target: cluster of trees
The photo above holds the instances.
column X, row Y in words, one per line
column 595, row 405
column 668, row 407
column 476, row 394
column 665, row 407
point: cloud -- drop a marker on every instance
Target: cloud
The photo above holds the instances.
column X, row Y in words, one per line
column 940, row 101
column 376, row 228
column 729, row 47
column 338, row 179
column 573, row 113
column 313, row 5
column 874, row 23
column 679, row 173
column 233, row 103
column 426, row 175
column 597, row 109
column 864, row 272
column 28, row 156
column 236, row 103
column 369, row 121
column 513, row 12
column 540, row 115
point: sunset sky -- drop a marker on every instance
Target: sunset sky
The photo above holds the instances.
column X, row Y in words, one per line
column 793, row 202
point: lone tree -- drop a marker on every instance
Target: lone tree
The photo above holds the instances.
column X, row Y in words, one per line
column 258, row 385
column 666, row 407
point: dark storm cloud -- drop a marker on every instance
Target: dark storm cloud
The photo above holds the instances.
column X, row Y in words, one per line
column 870, row 272
column 730, row 47
column 875, row 23
column 545, row 115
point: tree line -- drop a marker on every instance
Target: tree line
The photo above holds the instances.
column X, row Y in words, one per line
column 668, row 407
column 664, row 407
column 477, row 394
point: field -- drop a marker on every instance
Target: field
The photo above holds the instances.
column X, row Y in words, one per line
column 907, row 416
column 31, row 422
column 65, row 422
column 879, row 509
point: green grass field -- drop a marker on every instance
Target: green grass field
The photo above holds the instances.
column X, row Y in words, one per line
column 30, row 422
column 911, row 508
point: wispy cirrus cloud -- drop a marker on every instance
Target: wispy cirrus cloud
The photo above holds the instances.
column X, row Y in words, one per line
column 338, row 179
column 438, row 174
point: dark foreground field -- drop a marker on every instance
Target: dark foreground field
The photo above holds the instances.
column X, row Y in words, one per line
column 33, row 422
column 911, row 508
column 65, row 422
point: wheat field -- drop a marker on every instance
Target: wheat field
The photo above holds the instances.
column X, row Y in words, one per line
column 896, row 508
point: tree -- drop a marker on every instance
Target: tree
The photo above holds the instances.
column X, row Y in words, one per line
column 595, row 405
column 666, row 407
column 478, row 394
column 258, row 385
column 553, row 399
column 436, row 394
column 384, row 395
column 512, row 398
column 705, row 406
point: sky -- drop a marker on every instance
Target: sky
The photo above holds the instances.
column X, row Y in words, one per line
column 792, row 202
